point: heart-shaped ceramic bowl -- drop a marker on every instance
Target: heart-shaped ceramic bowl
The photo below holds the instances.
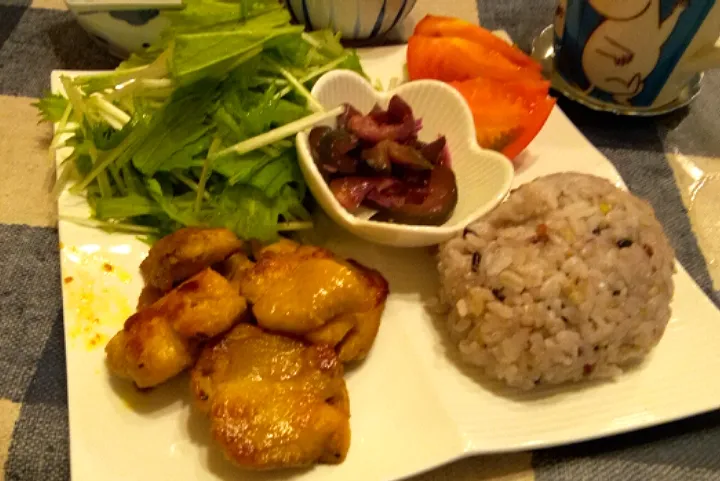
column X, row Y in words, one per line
column 483, row 177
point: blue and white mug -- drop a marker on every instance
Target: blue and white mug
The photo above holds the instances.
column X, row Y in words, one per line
column 635, row 53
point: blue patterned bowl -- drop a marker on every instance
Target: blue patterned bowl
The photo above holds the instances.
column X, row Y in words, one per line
column 354, row 19
column 122, row 32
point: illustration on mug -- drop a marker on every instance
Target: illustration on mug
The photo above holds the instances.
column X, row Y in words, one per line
column 622, row 51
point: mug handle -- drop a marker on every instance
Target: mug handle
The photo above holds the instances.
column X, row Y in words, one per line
column 705, row 59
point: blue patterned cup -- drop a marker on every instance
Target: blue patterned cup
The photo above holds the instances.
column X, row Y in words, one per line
column 354, row 19
column 635, row 53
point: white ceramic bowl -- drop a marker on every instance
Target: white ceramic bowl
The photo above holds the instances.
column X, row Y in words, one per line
column 122, row 26
column 354, row 19
column 483, row 177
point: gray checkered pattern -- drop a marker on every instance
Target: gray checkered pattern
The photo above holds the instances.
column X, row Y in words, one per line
column 32, row 362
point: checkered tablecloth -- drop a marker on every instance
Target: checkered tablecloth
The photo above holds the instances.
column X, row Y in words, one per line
column 674, row 162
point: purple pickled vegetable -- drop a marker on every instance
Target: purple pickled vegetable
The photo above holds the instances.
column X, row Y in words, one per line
column 388, row 152
column 377, row 160
column 369, row 130
column 396, row 197
column 397, row 123
column 352, row 191
column 342, row 164
column 314, row 137
column 433, row 151
column 417, row 195
column 399, row 111
column 380, row 116
column 333, row 149
column 384, row 200
column 445, row 158
column 436, row 208
column 406, row 156
column 344, row 118
column 416, row 178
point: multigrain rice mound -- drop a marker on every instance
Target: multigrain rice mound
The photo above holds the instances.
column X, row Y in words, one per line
column 569, row 279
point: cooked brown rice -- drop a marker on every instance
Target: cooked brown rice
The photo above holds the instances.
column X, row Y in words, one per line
column 569, row 279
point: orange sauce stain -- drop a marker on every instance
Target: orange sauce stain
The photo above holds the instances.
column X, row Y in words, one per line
column 96, row 340
column 95, row 299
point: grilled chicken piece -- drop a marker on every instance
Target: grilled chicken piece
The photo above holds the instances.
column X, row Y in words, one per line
column 186, row 252
column 314, row 293
column 235, row 268
column 148, row 351
column 162, row 340
column 148, row 296
column 273, row 401
column 358, row 341
column 307, row 291
column 276, row 262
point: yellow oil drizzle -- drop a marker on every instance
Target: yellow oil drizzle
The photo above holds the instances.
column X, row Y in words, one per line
column 93, row 288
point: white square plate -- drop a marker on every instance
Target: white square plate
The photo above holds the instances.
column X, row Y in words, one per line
column 412, row 407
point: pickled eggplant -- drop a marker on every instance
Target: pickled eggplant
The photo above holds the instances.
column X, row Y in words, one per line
column 437, row 208
column 376, row 160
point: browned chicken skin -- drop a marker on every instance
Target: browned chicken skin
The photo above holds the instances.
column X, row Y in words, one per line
column 186, row 252
column 148, row 296
column 148, row 351
column 161, row 340
column 309, row 292
column 359, row 340
column 273, row 402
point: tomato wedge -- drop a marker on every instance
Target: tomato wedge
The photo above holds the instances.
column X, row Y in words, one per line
column 507, row 116
column 502, row 85
column 438, row 26
column 456, row 59
column 533, row 124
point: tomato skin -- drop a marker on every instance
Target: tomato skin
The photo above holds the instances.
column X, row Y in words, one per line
column 507, row 116
column 529, row 89
column 531, row 127
column 439, row 26
column 495, row 114
column 452, row 59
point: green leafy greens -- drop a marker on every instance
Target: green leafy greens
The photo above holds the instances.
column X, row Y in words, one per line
column 196, row 130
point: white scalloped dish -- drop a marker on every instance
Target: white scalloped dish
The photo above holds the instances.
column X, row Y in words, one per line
column 483, row 177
